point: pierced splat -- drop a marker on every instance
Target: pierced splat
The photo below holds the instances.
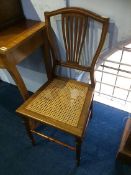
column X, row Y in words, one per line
column 74, row 29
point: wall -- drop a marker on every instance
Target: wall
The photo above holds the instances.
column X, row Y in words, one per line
column 119, row 11
column 120, row 27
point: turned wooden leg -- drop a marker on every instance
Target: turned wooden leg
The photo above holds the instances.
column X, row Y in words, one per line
column 29, row 133
column 78, row 150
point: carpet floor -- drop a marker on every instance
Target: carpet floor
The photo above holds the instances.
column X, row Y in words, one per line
column 100, row 145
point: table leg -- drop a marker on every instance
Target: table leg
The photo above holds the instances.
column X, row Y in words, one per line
column 19, row 81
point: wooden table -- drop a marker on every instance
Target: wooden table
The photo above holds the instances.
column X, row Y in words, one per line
column 16, row 43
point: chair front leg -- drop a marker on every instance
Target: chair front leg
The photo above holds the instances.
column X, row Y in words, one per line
column 29, row 133
column 78, row 150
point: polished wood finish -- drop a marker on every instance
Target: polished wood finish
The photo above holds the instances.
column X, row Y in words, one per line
column 74, row 31
column 73, row 49
column 16, row 43
column 124, row 153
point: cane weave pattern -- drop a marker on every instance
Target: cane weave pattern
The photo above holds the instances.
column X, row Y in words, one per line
column 60, row 100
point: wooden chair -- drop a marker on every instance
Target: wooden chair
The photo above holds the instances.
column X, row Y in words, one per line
column 64, row 103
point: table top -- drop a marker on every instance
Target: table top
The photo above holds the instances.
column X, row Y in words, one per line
column 14, row 35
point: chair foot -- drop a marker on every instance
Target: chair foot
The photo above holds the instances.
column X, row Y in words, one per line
column 78, row 150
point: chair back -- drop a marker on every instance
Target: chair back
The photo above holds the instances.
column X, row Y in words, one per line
column 69, row 32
